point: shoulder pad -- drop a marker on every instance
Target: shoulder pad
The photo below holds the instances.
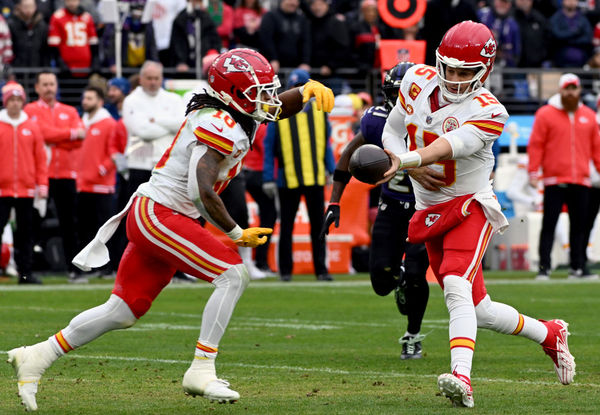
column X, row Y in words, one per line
column 484, row 105
column 416, row 79
column 217, row 129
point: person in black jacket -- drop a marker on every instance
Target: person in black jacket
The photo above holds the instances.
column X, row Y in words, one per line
column 534, row 34
column 137, row 42
column 330, row 38
column 366, row 29
column 285, row 37
column 440, row 16
column 29, row 34
column 184, row 37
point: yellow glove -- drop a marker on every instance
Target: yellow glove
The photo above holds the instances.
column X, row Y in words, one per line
column 253, row 237
column 323, row 95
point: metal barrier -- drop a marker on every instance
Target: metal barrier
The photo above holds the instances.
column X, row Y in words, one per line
column 521, row 90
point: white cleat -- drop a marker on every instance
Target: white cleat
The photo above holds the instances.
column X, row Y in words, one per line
column 215, row 390
column 29, row 367
column 458, row 391
column 254, row 272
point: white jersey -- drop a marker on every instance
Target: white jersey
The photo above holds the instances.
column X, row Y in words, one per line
column 210, row 128
column 470, row 126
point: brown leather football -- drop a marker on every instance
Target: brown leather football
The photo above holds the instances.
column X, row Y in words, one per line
column 369, row 163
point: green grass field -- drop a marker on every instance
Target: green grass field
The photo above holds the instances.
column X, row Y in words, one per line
column 302, row 348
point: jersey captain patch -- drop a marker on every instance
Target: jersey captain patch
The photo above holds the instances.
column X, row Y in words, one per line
column 414, row 91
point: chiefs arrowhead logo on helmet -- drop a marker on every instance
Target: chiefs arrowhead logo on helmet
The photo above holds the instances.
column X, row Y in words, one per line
column 236, row 63
column 489, row 49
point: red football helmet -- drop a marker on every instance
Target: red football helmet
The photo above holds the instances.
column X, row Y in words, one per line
column 467, row 45
column 244, row 80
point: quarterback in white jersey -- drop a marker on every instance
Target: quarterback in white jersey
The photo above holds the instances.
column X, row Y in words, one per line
column 163, row 228
column 451, row 122
column 470, row 127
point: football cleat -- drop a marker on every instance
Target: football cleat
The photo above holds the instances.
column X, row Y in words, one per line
column 29, row 364
column 458, row 390
column 411, row 347
column 578, row 274
column 543, row 275
column 557, row 348
column 215, row 390
column 254, row 272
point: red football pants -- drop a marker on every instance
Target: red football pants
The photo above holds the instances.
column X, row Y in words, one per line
column 460, row 251
column 162, row 241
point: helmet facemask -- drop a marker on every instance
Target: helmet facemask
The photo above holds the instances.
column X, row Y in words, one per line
column 473, row 85
column 255, row 93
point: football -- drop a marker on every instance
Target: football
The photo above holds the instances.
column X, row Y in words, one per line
column 369, row 163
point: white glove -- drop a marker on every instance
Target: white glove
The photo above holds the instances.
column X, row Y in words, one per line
column 270, row 189
column 120, row 162
column 40, row 200
column 41, row 204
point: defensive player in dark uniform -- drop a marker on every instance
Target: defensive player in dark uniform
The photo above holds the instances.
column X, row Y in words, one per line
column 396, row 206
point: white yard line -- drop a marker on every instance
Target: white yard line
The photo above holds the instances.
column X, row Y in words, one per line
column 273, row 284
column 358, row 373
column 244, row 322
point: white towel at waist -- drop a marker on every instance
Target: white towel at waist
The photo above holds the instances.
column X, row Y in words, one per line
column 95, row 254
column 492, row 209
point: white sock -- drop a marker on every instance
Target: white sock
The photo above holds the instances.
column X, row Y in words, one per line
column 91, row 324
column 505, row 319
column 463, row 324
column 218, row 310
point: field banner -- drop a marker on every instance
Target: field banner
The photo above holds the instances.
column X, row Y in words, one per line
column 353, row 231
column 395, row 51
column 341, row 133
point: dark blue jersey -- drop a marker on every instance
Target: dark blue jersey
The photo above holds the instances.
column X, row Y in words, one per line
column 371, row 127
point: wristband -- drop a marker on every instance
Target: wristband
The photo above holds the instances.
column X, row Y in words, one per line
column 342, row 176
column 410, row 159
column 334, row 203
column 236, row 233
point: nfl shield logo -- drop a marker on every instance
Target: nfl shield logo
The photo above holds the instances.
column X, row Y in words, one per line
column 428, row 119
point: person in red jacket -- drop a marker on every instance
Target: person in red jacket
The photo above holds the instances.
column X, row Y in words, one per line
column 63, row 131
column 564, row 139
column 23, row 174
column 96, row 171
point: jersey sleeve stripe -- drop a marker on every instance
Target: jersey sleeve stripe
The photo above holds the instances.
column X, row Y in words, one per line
column 54, row 41
column 402, row 100
column 491, row 127
column 213, row 140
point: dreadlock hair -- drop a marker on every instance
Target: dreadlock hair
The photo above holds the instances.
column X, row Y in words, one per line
column 203, row 100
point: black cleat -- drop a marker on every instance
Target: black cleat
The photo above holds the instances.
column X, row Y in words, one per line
column 411, row 347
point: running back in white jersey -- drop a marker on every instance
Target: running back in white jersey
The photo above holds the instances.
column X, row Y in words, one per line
column 207, row 127
column 471, row 127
